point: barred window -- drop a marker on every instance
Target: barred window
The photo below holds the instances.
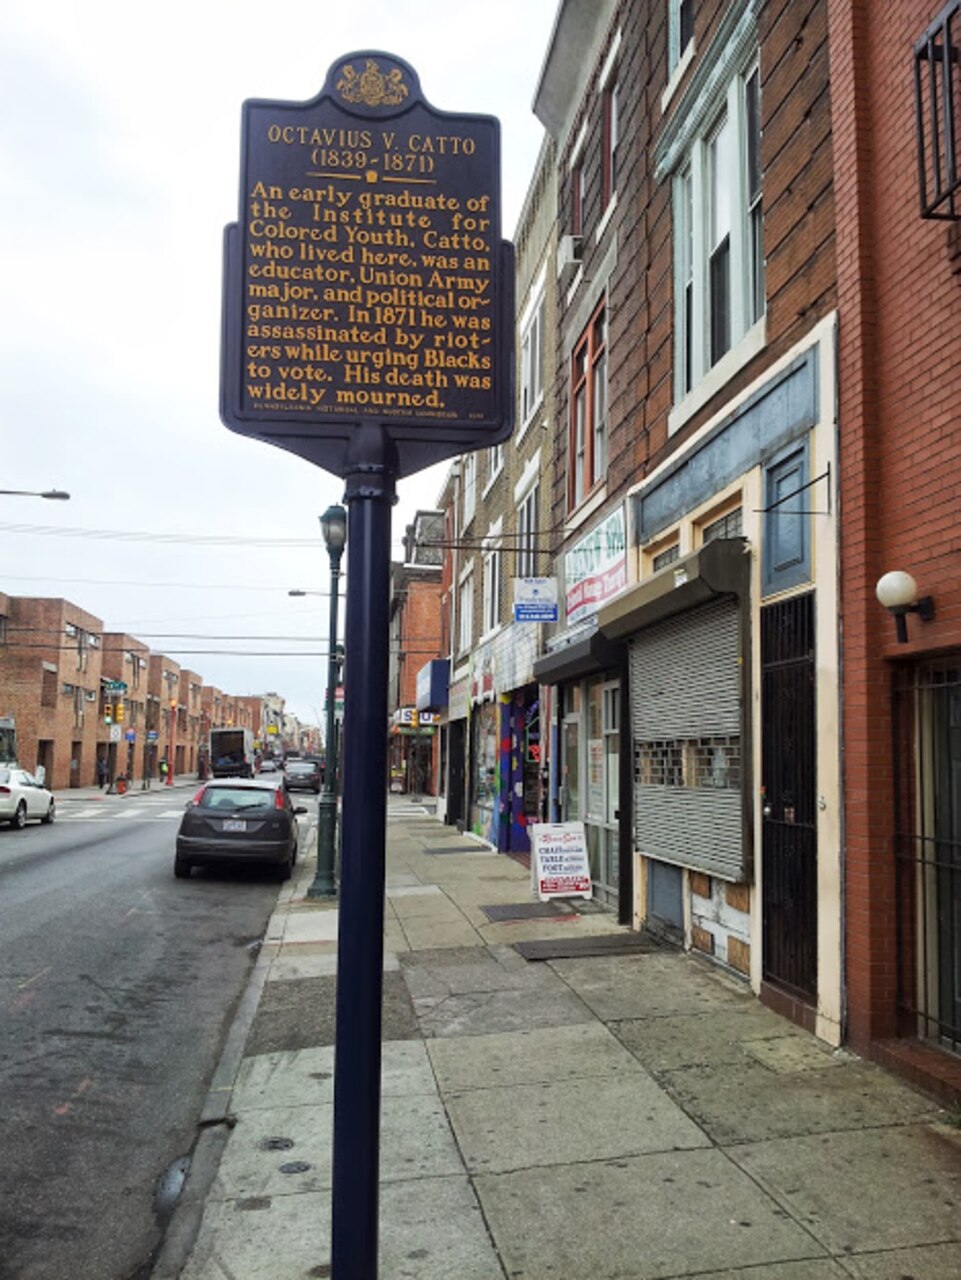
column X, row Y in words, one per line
column 713, row 763
column 728, row 526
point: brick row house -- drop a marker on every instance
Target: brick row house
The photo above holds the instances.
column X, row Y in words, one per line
column 76, row 694
column 748, row 416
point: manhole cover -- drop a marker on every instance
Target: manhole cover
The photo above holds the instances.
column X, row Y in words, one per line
column 295, row 1166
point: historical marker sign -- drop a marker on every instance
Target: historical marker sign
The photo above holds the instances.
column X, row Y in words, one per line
column 366, row 280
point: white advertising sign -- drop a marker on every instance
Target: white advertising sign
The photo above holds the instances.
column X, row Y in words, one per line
column 595, row 569
column 559, row 860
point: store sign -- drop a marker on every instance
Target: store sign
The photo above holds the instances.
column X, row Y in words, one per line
column 535, row 599
column 559, row 864
column 595, row 569
column 365, row 280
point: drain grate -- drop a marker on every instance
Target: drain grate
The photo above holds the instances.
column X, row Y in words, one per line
column 454, row 848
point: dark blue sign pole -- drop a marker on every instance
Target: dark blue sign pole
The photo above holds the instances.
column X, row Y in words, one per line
column 370, row 493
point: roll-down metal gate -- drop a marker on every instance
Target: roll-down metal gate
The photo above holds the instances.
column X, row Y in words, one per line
column 686, row 730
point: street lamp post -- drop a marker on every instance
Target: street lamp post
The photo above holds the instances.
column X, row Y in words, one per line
column 57, row 494
column 333, row 524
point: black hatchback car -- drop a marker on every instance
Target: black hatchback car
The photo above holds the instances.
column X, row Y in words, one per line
column 304, row 775
column 239, row 820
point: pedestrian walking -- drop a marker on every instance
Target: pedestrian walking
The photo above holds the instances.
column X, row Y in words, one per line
column 163, row 769
column 101, row 772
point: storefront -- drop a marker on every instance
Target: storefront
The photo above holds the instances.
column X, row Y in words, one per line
column 411, row 751
column 590, row 675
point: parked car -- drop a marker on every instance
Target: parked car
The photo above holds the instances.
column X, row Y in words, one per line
column 304, row 775
column 23, row 797
column 239, row 820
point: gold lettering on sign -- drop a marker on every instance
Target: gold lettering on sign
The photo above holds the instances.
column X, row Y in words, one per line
column 368, row 283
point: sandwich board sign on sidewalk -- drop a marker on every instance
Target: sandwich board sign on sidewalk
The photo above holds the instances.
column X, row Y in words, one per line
column 559, row 864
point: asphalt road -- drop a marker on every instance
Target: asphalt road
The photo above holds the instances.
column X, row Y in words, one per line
column 117, row 987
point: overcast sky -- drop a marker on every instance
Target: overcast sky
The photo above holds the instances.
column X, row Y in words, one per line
column 119, row 167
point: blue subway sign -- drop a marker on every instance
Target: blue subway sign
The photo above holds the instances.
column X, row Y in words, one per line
column 365, row 279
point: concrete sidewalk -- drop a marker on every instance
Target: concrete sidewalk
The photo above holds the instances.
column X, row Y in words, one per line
column 631, row 1115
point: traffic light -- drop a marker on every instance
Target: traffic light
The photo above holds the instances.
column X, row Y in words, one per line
column 118, row 713
column 108, row 714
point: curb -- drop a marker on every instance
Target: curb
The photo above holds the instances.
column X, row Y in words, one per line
column 215, row 1120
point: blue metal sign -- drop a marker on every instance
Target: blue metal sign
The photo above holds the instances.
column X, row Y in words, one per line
column 365, row 279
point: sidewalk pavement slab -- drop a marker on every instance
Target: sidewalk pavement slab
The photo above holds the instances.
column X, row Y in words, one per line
column 668, row 1214
column 610, row 1117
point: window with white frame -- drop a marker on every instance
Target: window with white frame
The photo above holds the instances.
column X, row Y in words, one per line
column 527, row 534
column 492, row 589
column 588, row 429
column 470, row 487
column 465, row 611
column 610, row 123
column 532, row 360
column 718, row 248
column 680, row 30
column 495, row 464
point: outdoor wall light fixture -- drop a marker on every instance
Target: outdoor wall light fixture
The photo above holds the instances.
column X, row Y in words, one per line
column 898, row 592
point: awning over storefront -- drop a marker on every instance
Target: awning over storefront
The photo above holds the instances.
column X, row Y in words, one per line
column 722, row 567
column 582, row 658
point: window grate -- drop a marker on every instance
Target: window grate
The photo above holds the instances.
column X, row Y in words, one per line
column 927, row 730
column 937, row 97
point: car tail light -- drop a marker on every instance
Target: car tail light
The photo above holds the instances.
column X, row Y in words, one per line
column 196, row 799
column 4, row 791
column 279, row 801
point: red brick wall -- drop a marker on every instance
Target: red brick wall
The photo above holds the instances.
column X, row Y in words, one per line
column 899, row 378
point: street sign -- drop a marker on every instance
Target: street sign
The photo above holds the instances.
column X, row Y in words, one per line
column 365, row 281
column 115, row 686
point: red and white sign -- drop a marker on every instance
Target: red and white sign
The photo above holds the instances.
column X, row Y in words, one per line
column 595, row 568
column 559, row 860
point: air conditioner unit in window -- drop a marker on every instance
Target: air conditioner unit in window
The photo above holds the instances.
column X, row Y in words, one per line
column 569, row 250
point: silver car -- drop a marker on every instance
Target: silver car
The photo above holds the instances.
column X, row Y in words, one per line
column 23, row 797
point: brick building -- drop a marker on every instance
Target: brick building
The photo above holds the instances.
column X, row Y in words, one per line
column 50, row 683
column 899, row 297
column 415, row 639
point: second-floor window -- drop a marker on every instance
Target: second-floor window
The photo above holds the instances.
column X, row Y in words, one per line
column 526, row 535
column 588, row 430
column 532, row 361
column 470, row 488
column 718, row 242
column 680, row 30
column 492, row 589
column 465, row 610
column 611, row 139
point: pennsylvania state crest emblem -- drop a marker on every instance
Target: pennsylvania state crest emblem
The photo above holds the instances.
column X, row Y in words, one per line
column 371, row 86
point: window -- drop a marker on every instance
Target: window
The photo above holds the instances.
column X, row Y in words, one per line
column 532, row 361
column 666, row 557
column 465, row 609
column 492, row 590
column 470, row 487
column 577, row 199
column 680, row 30
column 588, row 438
column 718, row 235
column 610, row 135
column 527, row 535
column 730, row 525
column 48, row 687
column 495, row 464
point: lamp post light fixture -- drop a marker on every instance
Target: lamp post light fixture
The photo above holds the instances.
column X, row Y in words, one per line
column 56, row 494
column 898, row 592
column 333, row 525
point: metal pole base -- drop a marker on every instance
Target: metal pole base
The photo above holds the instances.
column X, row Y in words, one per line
column 322, row 885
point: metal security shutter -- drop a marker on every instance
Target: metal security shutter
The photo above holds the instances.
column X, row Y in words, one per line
column 686, row 709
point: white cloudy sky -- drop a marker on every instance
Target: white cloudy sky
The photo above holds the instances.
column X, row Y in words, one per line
column 119, row 166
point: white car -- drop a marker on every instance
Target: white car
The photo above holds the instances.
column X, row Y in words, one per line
column 22, row 797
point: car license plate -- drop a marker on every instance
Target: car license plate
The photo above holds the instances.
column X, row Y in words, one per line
column 235, row 824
